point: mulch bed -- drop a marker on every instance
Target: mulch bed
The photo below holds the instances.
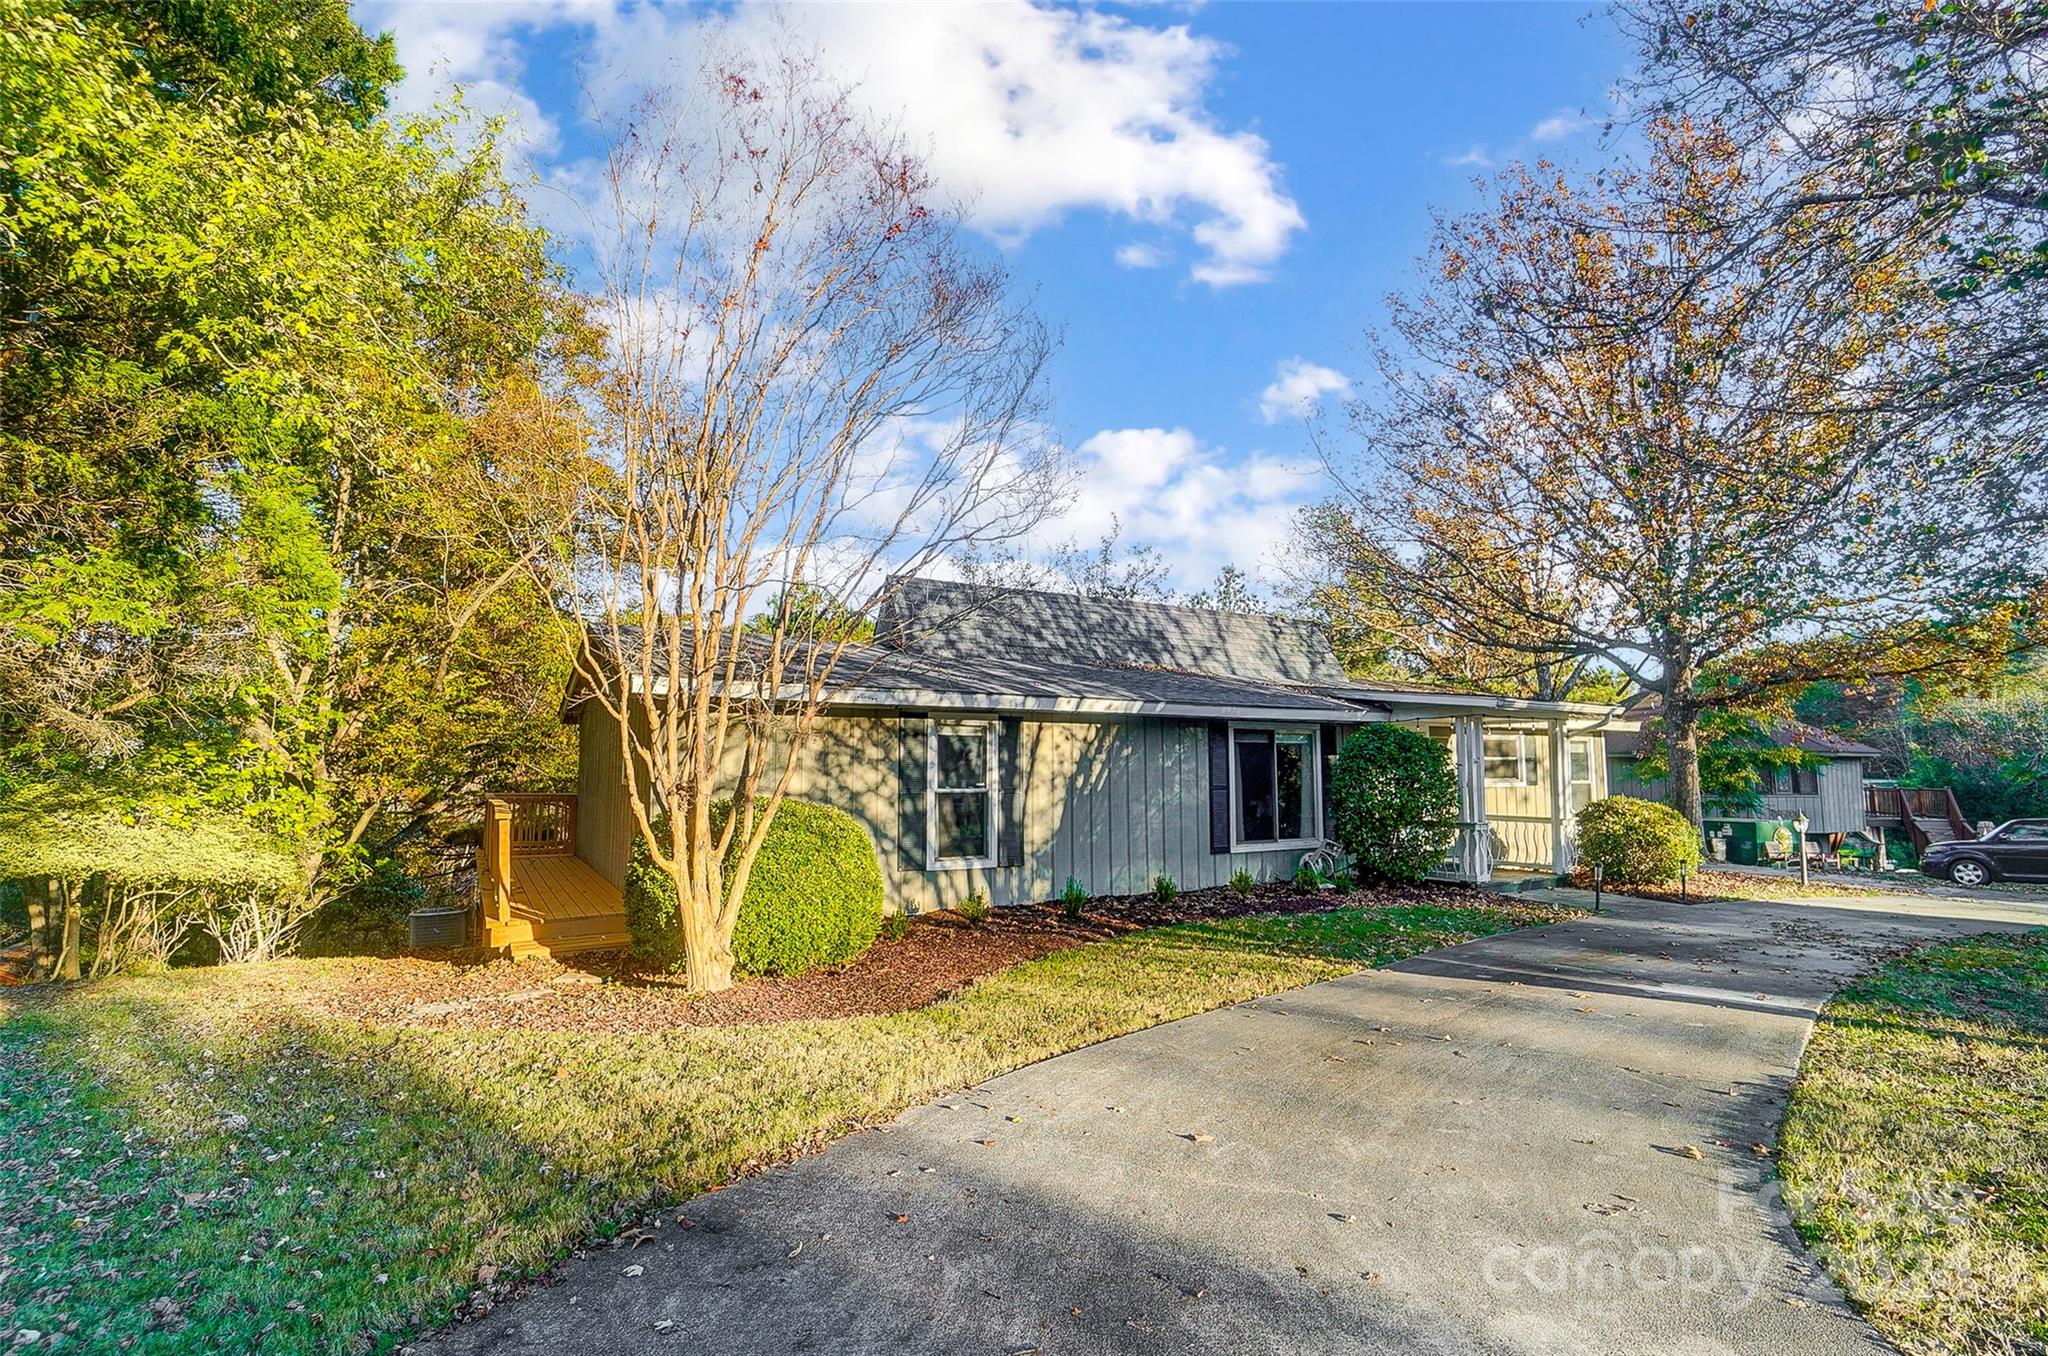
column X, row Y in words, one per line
column 938, row 954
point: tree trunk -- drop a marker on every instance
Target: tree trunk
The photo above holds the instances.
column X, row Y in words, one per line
column 42, row 948
column 1682, row 743
column 707, row 956
column 707, row 968
column 67, row 954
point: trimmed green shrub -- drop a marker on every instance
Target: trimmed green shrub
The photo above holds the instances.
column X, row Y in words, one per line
column 1165, row 889
column 1307, row 877
column 974, row 909
column 1243, row 882
column 1394, row 799
column 814, row 898
column 1637, row 842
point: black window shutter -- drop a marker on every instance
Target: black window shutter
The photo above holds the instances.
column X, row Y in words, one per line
column 913, row 740
column 1330, row 736
column 1010, row 828
column 1219, row 786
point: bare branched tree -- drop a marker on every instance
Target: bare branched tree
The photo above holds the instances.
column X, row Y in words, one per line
column 814, row 384
column 1922, row 127
column 1596, row 437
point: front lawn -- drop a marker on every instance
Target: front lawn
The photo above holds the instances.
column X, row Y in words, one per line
column 1915, row 1149
column 207, row 1160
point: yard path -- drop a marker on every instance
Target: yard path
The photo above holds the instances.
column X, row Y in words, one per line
column 1487, row 1148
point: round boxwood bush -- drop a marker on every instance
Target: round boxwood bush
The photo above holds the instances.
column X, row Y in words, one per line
column 1637, row 842
column 1394, row 802
column 814, row 898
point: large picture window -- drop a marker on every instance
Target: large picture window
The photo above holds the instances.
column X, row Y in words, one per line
column 1274, row 774
column 963, row 801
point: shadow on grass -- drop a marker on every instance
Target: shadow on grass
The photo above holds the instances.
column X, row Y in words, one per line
column 196, row 1162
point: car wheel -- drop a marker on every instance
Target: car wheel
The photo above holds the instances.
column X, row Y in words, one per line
column 1969, row 873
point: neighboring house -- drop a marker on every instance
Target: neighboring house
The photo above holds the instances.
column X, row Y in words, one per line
column 1829, row 790
column 1003, row 742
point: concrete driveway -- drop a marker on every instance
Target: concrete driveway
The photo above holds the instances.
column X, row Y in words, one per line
column 1538, row 1143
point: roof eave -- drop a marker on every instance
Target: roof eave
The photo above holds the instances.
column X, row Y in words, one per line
column 1116, row 708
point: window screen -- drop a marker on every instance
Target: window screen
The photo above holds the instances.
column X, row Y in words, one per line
column 963, row 774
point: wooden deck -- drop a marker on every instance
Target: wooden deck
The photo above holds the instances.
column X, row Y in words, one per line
column 538, row 898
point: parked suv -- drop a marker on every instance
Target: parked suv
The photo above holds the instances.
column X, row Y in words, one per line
column 2015, row 850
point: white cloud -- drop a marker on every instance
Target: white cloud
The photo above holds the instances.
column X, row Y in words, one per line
column 1166, row 489
column 1030, row 113
column 1474, row 156
column 476, row 46
column 1559, row 125
column 1138, row 254
column 1298, row 386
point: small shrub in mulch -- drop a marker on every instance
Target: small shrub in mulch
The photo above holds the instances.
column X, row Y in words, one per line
column 814, row 897
column 1639, row 842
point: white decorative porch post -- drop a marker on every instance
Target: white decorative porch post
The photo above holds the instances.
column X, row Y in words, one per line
column 1475, row 840
column 1560, row 799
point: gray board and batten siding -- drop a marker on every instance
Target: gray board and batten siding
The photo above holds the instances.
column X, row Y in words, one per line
column 1836, row 806
column 1111, row 804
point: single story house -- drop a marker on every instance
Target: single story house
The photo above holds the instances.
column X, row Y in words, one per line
column 1002, row 742
column 1829, row 789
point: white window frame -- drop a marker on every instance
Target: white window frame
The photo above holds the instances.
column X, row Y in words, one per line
column 1525, row 765
column 1312, row 788
column 991, row 731
column 1592, row 781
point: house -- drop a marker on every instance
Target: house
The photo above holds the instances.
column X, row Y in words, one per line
column 1000, row 742
column 1828, row 788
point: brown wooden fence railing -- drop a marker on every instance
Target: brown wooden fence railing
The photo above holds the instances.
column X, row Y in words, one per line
column 1910, row 807
column 542, row 825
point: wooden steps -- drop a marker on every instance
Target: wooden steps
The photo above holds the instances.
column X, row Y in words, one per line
column 1934, row 831
column 559, row 905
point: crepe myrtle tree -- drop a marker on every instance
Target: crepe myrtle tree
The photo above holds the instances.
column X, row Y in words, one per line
column 1692, row 472
column 813, row 386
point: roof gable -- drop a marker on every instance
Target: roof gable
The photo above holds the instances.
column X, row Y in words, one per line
column 955, row 621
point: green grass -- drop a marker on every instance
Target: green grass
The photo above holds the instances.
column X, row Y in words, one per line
column 1915, row 1149
column 196, row 1161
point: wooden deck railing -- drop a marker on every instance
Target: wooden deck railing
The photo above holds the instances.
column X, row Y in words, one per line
column 1909, row 806
column 541, row 825
column 518, row 824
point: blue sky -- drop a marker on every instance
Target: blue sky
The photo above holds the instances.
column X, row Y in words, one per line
column 1209, row 201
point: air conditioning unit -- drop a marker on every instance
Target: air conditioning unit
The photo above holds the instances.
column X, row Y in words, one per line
column 437, row 929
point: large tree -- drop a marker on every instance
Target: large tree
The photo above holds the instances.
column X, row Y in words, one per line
column 263, row 350
column 1704, row 462
column 1920, row 125
column 812, row 381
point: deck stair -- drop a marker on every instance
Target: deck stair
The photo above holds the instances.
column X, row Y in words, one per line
column 538, row 897
column 1927, row 814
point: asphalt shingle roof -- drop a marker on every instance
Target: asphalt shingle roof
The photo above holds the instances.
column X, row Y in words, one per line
column 947, row 620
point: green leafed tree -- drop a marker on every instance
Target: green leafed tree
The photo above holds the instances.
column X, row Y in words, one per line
column 276, row 366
